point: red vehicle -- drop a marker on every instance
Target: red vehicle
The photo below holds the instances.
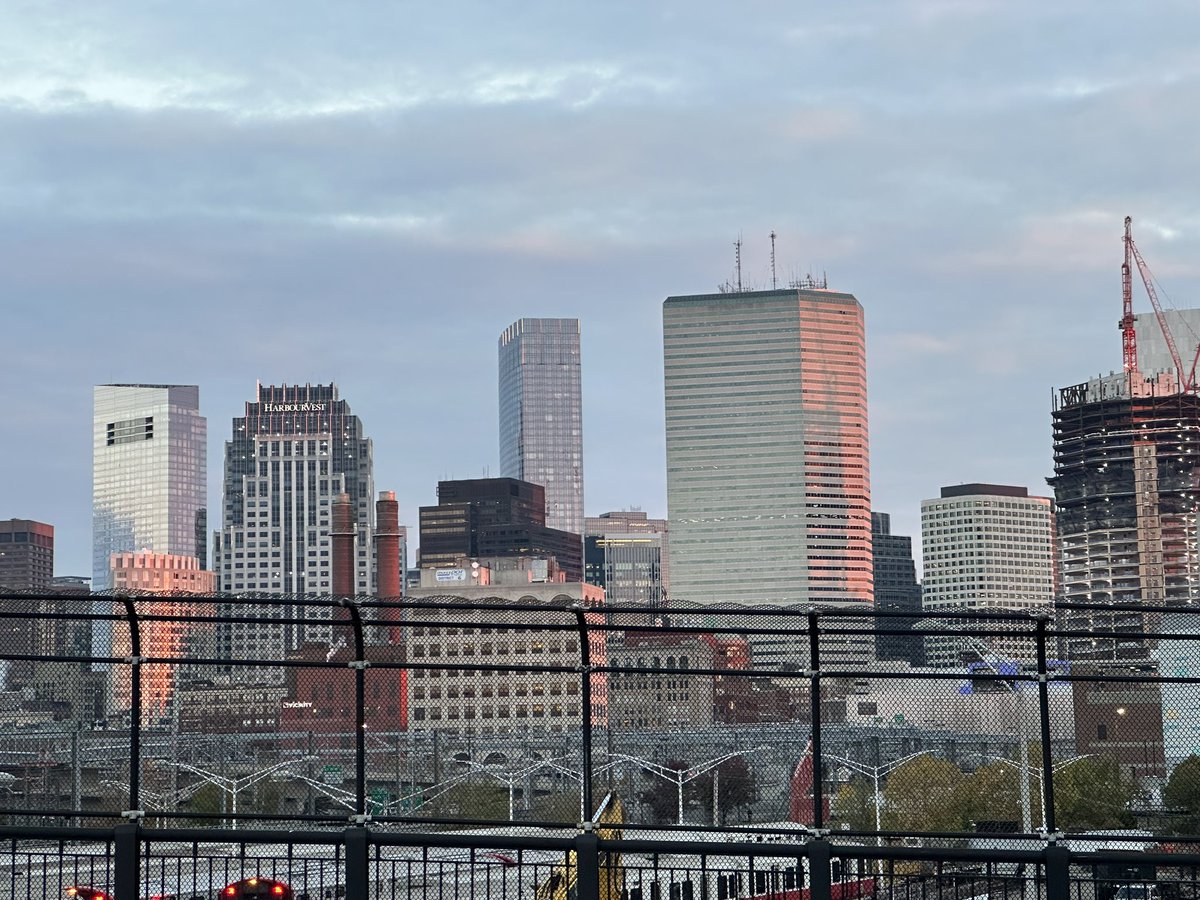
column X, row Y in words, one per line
column 87, row 893
column 258, row 889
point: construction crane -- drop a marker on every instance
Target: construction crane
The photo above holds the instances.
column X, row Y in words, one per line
column 1187, row 381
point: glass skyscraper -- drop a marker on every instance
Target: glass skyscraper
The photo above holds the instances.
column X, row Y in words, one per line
column 541, row 414
column 149, row 473
column 768, row 487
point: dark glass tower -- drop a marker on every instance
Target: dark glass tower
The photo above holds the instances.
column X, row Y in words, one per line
column 896, row 591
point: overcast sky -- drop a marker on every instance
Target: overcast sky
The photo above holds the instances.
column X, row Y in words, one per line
column 368, row 193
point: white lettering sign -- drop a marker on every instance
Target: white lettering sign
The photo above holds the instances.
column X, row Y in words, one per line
column 451, row 575
column 296, row 704
column 293, row 407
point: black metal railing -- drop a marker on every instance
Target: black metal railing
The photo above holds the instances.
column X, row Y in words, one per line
column 207, row 722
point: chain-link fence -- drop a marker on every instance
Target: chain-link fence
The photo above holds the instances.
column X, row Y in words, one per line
column 517, row 716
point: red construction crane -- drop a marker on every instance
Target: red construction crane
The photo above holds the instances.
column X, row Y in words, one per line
column 1187, row 381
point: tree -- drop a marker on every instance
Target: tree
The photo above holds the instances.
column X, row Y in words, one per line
column 1092, row 793
column 854, row 804
column 993, row 793
column 735, row 788
column 924, row 794
column 208, row 799
column 562, row 806
column 1182, row 796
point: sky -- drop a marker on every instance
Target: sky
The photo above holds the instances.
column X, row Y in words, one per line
column 369, row 193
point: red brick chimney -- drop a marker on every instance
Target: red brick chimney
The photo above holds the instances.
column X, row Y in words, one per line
column 344, row 528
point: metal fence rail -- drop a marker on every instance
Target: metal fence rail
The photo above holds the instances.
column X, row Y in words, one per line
column 388, row 722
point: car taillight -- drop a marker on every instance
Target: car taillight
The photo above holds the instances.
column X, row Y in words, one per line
column 231, row 891
column 277, row 890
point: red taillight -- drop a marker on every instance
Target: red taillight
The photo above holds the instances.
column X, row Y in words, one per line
column 231, row 891
column 277, row 890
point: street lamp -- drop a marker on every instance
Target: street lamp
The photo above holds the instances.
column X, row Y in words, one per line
column 875, row 772
column 680, row 777
column 231, row 786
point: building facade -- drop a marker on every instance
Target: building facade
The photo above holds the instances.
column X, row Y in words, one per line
column 26, row 564
column 767, row 460
column 169, row 638
column 295, row 450
column 541, row 414
column 626, row 554
column 149, row 473
column 896, row 591
column 494, row 517
column 986, row 548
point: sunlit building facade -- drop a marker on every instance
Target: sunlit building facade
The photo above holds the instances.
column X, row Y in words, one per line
column 768, row 485
column 168, row 638
column 149, row 473
column 541, row 414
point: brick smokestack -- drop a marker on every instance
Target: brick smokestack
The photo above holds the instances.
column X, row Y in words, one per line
column 344, row 527
column 387, row 548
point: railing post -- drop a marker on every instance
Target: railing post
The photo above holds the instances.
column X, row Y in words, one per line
column 587, row 866
column 126, row 858
column 585, row 710
column 359, row 665
column 815, row 706
column 358, row 877
column 1058, row 872
column 819, row 856
column 135, row 706
column 1048, row 820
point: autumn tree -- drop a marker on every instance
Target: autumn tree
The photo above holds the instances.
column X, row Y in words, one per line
column 854, row 804
column 1092, row 793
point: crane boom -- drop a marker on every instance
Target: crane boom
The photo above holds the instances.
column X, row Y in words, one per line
column 1185, row 379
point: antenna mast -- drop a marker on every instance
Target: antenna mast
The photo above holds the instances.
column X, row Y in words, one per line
column 773, row 282
column 737, row 261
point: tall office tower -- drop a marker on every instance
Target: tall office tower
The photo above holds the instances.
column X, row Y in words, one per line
column 1153, row 355
column 986, row 548
column 26, row 555
column 296, row 448
column 26, row 564
column 541, row 414
column 625, row 553
column 494, row 517
column 169, row 638
column 1126, row 465
column 768, row 488
column 149, row 473
column 896, row 591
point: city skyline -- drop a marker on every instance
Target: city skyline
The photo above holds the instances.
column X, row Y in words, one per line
column 278, row 202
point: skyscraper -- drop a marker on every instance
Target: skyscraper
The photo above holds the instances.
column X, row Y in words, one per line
column 768, row 487
column 541, row 414
column 149, row 473
column 986, row 548
column 296, row 448
column 26, row 564
column 625, row 553
column 896, row 591
column 1126, row 465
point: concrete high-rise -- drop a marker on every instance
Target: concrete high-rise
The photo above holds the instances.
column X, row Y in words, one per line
column 149, row 473
column 768, row 487
column 296, row 449
column 986, row 548
column 26, row 564
column 1126, row 465
column 541, row 414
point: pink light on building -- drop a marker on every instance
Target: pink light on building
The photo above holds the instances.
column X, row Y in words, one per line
column 170, row 638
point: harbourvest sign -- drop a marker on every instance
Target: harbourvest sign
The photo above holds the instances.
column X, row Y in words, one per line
column 293, row 407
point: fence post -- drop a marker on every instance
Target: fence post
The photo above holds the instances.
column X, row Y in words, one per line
column 815, row 706
column 585, row 709
column 1048, row 822
column 358, row 878
column 135, row 705
column 359, row 666
column 819, row 883
column 126, row 858
column 1058, row 872
column 587, row 866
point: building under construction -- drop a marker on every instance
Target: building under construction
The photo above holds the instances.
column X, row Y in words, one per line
column 1126, row 477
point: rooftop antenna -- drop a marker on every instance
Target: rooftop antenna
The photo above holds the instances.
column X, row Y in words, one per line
column 737, row 261
column 774, row 285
